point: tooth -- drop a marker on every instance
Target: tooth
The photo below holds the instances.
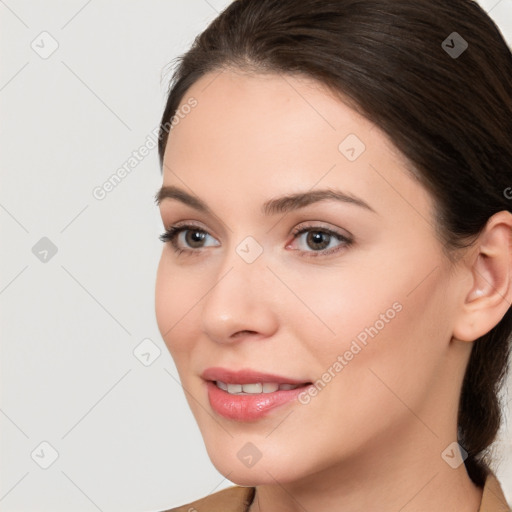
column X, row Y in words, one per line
column 234, row 388
column 270, row 387
column 252, row 388
column 288, row 386
column 222, row 385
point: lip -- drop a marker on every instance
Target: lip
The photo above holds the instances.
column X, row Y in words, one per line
column 250, row 407
column 246, row 376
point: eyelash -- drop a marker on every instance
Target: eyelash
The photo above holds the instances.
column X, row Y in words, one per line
column 345, row 241
column 172, row 233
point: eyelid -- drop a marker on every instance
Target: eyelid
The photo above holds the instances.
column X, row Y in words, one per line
column 174, row 209
column 189, row 224
column 174, row 230
column 321, row 226
column 345, row 240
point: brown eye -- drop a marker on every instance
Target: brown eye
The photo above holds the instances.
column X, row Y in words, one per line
column 188, row 238
column 195, row 238
column 318, row 240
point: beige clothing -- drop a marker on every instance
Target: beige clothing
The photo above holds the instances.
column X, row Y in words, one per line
column 237, row 499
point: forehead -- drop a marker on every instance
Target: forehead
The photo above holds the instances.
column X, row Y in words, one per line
column 260, row 134
column 238, row 104
column 267, row 109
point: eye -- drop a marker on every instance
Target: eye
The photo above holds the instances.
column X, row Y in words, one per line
column 311, row 240
column 188, row 238
column 318, row 241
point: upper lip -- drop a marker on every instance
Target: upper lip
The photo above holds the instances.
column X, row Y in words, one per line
column 246, row 376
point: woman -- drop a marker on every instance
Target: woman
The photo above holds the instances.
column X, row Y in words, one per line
column 335, row 283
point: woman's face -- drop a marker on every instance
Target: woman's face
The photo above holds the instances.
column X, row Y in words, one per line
column 351, row 293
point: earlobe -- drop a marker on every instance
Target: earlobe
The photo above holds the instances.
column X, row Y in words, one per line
column 490, row 294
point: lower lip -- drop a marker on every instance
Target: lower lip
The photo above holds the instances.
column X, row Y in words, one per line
column 248, row 407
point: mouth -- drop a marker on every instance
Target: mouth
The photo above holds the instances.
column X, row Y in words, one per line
column 250, row 378
column 247, row 395
column 256, row 387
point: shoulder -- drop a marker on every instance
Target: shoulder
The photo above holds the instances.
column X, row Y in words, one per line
column 231, row 499
column 237, row 499
column 493, row 498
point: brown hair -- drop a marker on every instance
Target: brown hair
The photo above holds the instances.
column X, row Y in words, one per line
column 449, row 114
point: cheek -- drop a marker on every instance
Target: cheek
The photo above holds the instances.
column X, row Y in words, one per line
column 391, row 342
column 177, row 294
column 333, row 306
column 384, row 313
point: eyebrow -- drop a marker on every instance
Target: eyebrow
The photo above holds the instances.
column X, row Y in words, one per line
column 273, row 206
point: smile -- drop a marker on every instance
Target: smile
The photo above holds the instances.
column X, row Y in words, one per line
column 256, row 388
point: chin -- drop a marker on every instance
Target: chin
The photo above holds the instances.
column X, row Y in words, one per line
column 266, row 471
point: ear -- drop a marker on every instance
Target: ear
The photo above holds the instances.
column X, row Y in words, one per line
column 490, row 290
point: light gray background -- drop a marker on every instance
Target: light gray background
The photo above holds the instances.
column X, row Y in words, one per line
column 125, row 437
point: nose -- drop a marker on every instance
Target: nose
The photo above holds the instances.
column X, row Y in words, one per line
column 240, row 303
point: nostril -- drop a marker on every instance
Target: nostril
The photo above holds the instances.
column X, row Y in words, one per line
column 240, row 333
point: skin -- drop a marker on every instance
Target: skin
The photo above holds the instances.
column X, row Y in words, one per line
column 375, row 433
